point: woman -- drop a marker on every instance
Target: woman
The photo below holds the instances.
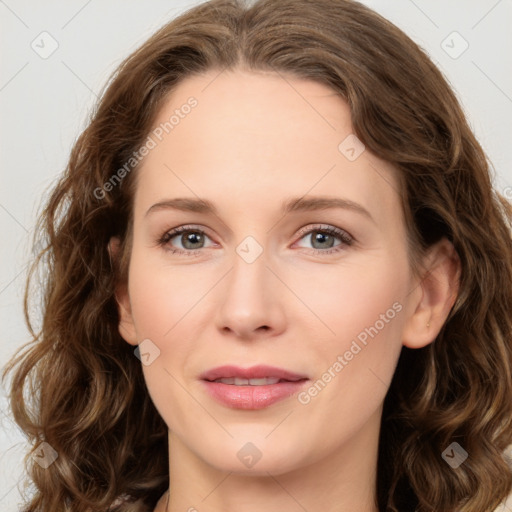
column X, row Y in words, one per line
column 279, row 279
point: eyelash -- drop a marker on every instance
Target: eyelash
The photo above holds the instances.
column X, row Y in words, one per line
column 346, row 239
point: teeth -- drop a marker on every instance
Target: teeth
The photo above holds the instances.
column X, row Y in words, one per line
column 249, row 382
column 263, row 381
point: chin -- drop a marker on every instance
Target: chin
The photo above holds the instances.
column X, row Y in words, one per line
column 254, row 455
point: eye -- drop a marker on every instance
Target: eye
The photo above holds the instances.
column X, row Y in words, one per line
column 326, row 239
column 184, row 239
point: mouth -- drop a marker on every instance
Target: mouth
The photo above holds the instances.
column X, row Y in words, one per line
column 265, row 381
column 251, row 388
column 251, row 376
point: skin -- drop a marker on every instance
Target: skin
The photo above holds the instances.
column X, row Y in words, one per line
column 254, row 141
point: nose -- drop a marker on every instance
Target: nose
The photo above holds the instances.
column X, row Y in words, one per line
column 251, row 304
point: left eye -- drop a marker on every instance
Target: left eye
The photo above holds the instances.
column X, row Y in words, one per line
column 326, row 238
column 321, row 240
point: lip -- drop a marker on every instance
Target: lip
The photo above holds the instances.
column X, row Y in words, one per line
column 254, row 372
column 252, row 397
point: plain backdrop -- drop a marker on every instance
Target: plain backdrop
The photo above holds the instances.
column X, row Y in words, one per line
column 45, row 99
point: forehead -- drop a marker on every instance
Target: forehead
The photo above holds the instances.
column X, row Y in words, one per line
column 260, row 137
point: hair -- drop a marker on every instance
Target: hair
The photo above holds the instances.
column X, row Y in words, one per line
column 77, row 385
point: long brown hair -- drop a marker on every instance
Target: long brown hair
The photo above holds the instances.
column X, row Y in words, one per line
column 87, row 396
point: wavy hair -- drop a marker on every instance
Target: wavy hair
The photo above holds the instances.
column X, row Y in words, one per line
column 77, row 385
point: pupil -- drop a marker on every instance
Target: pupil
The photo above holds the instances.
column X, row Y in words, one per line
column 324, row 238
column 191, row 238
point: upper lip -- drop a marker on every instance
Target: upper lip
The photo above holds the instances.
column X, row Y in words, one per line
column 254, row 372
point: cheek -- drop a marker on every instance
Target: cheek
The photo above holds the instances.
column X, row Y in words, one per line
column 170, row 307
column 163, row 296
column 347, row 299
column 362, row 311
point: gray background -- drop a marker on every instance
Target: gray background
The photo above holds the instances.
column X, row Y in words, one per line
column 44, row 103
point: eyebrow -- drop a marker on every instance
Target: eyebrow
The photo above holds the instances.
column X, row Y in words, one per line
column 299, row 204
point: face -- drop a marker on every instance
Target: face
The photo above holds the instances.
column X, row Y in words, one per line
column 295, row 259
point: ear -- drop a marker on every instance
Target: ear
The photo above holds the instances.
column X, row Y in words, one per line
column 126, row 325
column 435, row 295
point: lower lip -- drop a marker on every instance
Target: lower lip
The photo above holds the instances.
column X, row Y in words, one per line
column 252, row 397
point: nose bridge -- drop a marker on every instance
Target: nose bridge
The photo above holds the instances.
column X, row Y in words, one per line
column 248, row 279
